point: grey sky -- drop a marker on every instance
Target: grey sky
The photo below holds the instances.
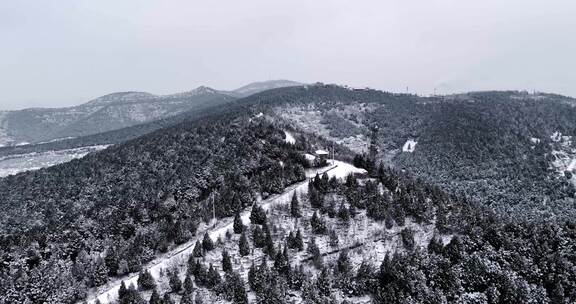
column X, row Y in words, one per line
column 66, row 52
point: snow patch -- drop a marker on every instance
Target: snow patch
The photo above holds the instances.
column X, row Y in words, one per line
column 289, row 138
column 535, row 140
column 409, row 146
column 13, row 164
column 556, row 136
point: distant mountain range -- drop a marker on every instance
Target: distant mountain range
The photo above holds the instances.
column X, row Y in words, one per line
column 114, row 111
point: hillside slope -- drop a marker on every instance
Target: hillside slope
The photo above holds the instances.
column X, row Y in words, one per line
column 509, row 150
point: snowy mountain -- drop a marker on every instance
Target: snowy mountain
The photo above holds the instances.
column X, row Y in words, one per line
column 241, row 205
column 106, row 113
column 114, row 111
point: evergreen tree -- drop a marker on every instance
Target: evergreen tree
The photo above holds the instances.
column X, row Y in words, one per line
column 198, row 252
column 122, row 291
column 343, row 265
column 318, row 225
column 188, row 285
column 257, row 215
column 344, row 213
column 269, row 244
column 174, row 281
column 295, row 206
column 226, row 262
column 324, row 283
column 145, row 280
column 298, row 241
column 186, row 299
column 331, row 209
column 235, row 284
column 281, row 261
column 238, row 225
column 207, row 243
column 290, row 240
column 316, row 255
column 155, row 298
column 244, row 247
column 167, row 299
column 213, row 278
column 258, row 237
column 112, row 260
column 201, row 276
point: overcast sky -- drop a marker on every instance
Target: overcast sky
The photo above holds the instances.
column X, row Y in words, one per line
column 66, row 52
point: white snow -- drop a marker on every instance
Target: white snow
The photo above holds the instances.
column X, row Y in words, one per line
column 535, row 140
column 409, row 146
column 13, row 164
column 309, row 157
column 108, row 293
column 259, row 115
column 556, row 136
column 321, row 152
column 289, row 138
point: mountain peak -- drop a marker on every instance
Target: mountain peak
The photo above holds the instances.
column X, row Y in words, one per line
column 201, row 90
column 257, row 87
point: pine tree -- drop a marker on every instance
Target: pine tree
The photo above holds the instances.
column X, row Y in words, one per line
column 298, row 241
column 174, row 281
column 167, row 299
column 238, row 225
column 295, row 206
column 99, row 272
column 316, row 255
column 145, row 280
column 290, row 240
column 207, row 243
column 331, row 209
column 186, row 299
column 244, row 247
column 281, row 261
column 344, row 265
column 318, row 225
column 112, row 260
column 239, row 291
column 226, row 262
column 188, row 285
column 122, row 291
column 155, row 298
column 269, row 245
column 257, row 215
column 201, row 276
column 213, row 278
column 258, row 237
column 344, row 213
column 324, row 283
column 198, row 252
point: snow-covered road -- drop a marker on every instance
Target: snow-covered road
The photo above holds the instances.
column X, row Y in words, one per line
column 109, row 292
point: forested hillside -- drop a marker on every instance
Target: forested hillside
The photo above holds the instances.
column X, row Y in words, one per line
column 68, row 229
column 512, row 151
column 112, row 211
